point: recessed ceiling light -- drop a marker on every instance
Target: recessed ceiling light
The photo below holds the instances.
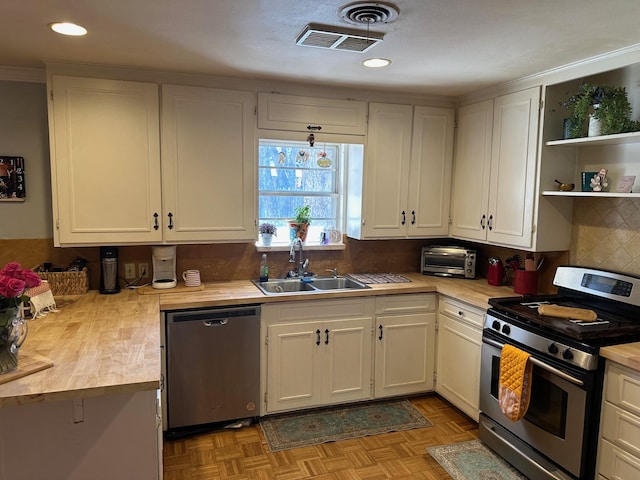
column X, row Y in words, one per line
column 67, row 28
column 376, row 62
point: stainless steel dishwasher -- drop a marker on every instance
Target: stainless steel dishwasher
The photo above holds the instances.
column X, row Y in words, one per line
column 212, row 365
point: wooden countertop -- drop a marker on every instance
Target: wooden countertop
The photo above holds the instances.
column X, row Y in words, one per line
column 104, row 344
column 476, row 292
column 100, row 344
column 627, row 355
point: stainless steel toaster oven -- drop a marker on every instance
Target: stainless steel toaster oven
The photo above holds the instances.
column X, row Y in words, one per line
column 448, row 261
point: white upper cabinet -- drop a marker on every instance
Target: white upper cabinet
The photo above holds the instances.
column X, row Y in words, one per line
column 208, row 154
column 105, row 161
column 309, row 114
column 402, row 188
column 494, row 192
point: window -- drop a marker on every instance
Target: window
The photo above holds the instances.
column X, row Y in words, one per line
column 292, row 174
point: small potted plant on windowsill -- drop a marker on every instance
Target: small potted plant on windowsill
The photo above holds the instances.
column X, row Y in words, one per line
column 267, row 232
column 300, row 223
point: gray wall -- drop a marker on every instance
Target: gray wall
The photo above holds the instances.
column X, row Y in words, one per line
column 24, row 133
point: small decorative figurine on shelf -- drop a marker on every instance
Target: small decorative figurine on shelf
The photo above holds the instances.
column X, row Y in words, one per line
column 600, row 181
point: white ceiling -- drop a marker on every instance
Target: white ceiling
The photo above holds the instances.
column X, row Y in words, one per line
column 441, row 47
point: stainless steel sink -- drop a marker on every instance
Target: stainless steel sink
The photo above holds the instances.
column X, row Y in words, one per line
column 289, row 286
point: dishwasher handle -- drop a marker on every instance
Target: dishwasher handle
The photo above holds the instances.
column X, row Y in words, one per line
column 215, row 323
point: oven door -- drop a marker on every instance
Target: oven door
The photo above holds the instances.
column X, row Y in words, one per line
column 554, row 424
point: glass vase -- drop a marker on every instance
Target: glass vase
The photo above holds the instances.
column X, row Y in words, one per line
column 13, row 332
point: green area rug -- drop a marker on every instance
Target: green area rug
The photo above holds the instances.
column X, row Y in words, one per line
column 473, row 461
column 328, row 425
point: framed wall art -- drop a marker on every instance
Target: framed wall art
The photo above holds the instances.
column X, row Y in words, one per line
column 12, row 179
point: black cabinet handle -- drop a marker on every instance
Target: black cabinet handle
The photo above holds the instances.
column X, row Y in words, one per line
column 413, row 217
column 318, row 337
column 484, row 217
column 380, row 328
column 490, row 223
column 155, row 221
column 404, row 217
column 170, row 215
column 326, row 338
column 317, row 128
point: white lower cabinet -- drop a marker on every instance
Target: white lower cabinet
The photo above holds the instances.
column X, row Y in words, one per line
column 404, row 344
column 317, row 353
column 619, row 447
column 458, row 360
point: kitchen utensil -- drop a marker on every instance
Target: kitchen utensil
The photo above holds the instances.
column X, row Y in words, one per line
column 568, row 312
column 529, row 263
column 565, row 187
column 518, row 259
column 540, row 263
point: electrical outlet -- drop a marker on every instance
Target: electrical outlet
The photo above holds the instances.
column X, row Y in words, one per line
column 129, row 271
column 143, row 270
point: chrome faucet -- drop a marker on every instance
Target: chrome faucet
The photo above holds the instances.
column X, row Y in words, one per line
column 302, row 265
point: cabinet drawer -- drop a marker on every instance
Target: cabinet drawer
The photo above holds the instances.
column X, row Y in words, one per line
column 623, row 388
column 461, row 311
column 317, row 310
column 289, row 112
column 614, row 463
column 621, row 428
column 406, row 303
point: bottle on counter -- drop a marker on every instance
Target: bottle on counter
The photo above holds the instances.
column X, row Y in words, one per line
column 264, row 268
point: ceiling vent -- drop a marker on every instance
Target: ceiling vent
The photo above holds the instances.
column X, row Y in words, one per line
column 332, row 38
column 368, row 13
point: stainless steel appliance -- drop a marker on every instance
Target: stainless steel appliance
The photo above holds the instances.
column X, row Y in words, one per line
column 558, row 436
column 448, row 261
column 109, row 270
column 212, row 365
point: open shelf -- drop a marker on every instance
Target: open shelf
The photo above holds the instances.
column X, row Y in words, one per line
column 617, row 139
column 555, row 193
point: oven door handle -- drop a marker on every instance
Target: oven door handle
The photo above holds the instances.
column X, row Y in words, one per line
column 540, row 364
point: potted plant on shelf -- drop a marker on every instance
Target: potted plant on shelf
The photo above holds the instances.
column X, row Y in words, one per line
column 267, row 232
column 599, row 110
column 300, row 223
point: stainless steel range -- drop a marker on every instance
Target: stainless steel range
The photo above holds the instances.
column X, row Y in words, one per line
column 558, row 436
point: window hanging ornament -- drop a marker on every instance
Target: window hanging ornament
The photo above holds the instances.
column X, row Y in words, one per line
column 282, row 158
column 311, row 139
column 302, row 157
column 323, row 161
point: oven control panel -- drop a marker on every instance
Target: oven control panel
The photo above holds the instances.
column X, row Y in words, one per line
column 599, row 283
column 541, row 344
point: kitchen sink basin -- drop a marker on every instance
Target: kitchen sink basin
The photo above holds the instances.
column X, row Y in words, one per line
column 288, row 286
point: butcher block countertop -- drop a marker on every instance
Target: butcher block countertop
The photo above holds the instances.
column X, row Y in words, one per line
column 627, row 355
column 107, row 344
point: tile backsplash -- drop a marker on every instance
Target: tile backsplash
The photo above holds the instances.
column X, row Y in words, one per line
column 606, row 234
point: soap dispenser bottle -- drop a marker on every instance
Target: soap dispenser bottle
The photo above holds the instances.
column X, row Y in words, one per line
column 264, row 269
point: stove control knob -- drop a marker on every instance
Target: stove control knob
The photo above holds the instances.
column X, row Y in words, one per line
column 506, row 329
column 552, row 348
column 496, row 325
column 567, row 354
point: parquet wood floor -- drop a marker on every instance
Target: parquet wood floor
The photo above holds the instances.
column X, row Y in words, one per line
column 243, row 454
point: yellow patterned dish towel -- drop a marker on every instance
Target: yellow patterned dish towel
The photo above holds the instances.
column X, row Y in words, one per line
column 515, row 382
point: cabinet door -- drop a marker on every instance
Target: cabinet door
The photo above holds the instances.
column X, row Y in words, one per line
column 458, row 365
column 105, row 161
column 208, row 152
column 471, row 171
column 404, row 354
column 295, row 366
column 347, row 362
column 513, row 168
column 387, row 170
column 290, row 112
column 430, row 172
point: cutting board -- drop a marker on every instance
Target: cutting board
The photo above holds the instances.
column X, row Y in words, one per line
column 28, row 363
column 180, row 288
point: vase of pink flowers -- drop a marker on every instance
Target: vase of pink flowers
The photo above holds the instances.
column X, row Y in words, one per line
column 14, row 281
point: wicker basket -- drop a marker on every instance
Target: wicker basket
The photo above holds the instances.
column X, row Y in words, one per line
column 67, row 283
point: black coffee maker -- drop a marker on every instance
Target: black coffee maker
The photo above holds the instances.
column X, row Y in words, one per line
column 109, row 270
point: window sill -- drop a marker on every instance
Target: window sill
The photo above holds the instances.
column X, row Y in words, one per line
column 283, row 247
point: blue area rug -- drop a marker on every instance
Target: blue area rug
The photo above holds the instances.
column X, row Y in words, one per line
column 473, row 461
column 330, row 424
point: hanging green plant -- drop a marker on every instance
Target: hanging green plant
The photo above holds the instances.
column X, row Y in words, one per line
column 606, row 103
